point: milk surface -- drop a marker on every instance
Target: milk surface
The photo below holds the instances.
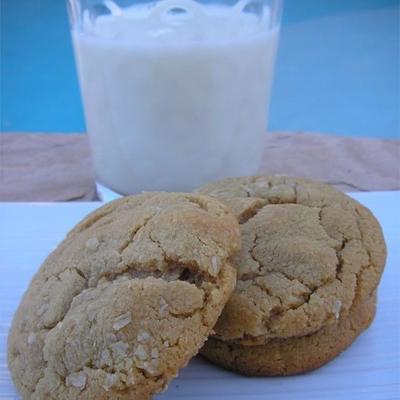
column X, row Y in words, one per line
column 174, row 99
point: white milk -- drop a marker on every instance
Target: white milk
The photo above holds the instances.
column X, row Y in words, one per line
column 172, row 102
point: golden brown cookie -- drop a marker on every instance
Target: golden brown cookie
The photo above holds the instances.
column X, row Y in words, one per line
column 309, row 256
column 296, row 354
column 126, row 300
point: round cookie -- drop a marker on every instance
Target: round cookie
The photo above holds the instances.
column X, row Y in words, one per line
column 126, row 300
column 310, row 255
column 296, row 354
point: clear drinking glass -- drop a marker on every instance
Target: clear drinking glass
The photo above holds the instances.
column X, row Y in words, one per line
column 175, row 92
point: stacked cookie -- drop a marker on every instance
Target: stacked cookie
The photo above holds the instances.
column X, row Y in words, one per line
column 308, row 269
column 137, row 287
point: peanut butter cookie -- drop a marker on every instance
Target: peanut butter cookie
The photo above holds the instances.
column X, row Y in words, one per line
column 310, row 255
column 126, row 300
column 294, row 355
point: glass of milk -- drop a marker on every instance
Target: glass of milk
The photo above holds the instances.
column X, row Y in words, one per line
column 175, row 92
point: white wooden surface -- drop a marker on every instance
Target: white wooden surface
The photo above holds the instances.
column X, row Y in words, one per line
column 367, row 370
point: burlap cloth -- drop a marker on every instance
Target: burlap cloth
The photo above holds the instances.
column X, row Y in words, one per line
column 57, row 167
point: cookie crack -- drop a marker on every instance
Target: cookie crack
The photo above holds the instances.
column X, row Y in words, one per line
column 92, row 221
column 133, row 233
column 216, row 244
column 252, row 255
column 252, row 212
column 187, row 314
column 192, row 268
column 296, row 195
column 69, row 268
column 158, row 244
column 305, row 296
column 267, row 291
column 197, row 201
column 370, row 264
column 345, row 240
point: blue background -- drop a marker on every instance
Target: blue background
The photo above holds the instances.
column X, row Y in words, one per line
column 337, row 69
